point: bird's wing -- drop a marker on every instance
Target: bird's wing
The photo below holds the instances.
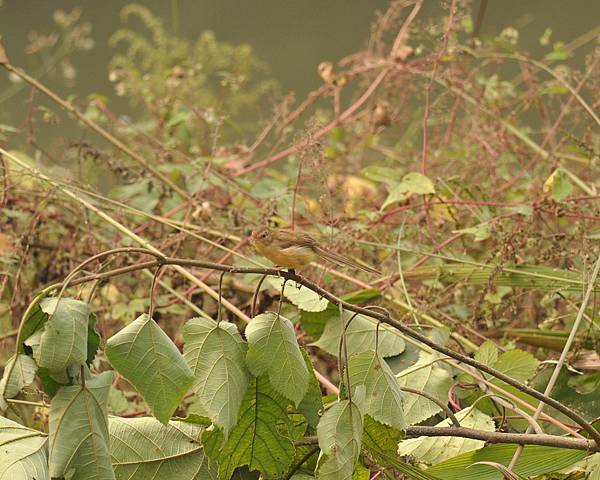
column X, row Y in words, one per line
column 288, row 239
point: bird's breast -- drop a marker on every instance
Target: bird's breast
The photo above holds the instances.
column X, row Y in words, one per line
column 290, row 257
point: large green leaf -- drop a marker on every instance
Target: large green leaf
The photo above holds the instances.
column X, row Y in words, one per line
column 79, row 430
column 151, row 362
column 304, row 298
column 143, row 448
column 433, row 450
column 535, row 460
column 256, row 440
column 23, row 452
column 361, row 335
column 18, row 373
column 339, row 433
column 383, row 398
column 216, row 356
column 426, row 375
column 62, row 341
column 273, row 349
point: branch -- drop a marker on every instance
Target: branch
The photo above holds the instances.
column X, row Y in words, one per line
column 502, row 437
column 381, row 317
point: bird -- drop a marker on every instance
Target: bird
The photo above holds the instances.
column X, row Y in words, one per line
column 294, row 250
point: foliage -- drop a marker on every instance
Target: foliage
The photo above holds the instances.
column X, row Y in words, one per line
column 468, row 182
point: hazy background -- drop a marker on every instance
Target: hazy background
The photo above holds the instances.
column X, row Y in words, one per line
column 291, row 36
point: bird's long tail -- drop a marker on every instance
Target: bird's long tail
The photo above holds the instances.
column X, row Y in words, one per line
column 342, row 260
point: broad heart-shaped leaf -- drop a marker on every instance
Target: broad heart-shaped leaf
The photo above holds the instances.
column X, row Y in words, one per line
column 433, row 450
column 79, row 430
column 361, row 335
column 304, row 298
column 426, row 375
column 535, row 460
column 23, row 452
column 62, row 341
column 273, row 349
column 144, row 449
column 383, row 400
column 256, row 440
column 18, row 373
column 150, row 361
column 339, row 433
column 217, row 357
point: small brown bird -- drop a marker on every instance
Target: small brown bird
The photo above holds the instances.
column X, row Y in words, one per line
column 296, row 250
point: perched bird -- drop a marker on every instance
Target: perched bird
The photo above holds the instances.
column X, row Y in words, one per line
column 295, row 250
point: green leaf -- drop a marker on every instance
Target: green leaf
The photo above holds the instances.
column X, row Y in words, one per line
column 143, row 448
column 379, row 437
column 256, row 440
column 397, row 194
column 592, row 467
column 535, row 460
column 273, row 349
column 487, row 353
column 361, row 335
column 34, row 321
column 383, row 399
column 312, row 403
column 361, row 473
column 360, row 297
column 586, row 403
column 339, row 433
column 24, row 452
column 382, row 443
column 18, row 373
column 413, row 182
column 93, row 340
column 377, row 173
column 480, row 232
column 517, row 364
column 79, row 430
column 416, row 182
column 558, row 185
column 304, row 298
column 426, row 375
column 151, row 362
column 433, row 450
column 217, row 357
column 63, row 339
column 314, row 323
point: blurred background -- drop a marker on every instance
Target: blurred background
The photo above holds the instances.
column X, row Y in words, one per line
column 292, row 37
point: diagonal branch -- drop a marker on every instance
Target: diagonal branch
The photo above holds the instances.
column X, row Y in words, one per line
column 381, row 317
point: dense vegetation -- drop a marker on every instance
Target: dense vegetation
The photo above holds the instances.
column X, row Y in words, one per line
column 143, row 337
